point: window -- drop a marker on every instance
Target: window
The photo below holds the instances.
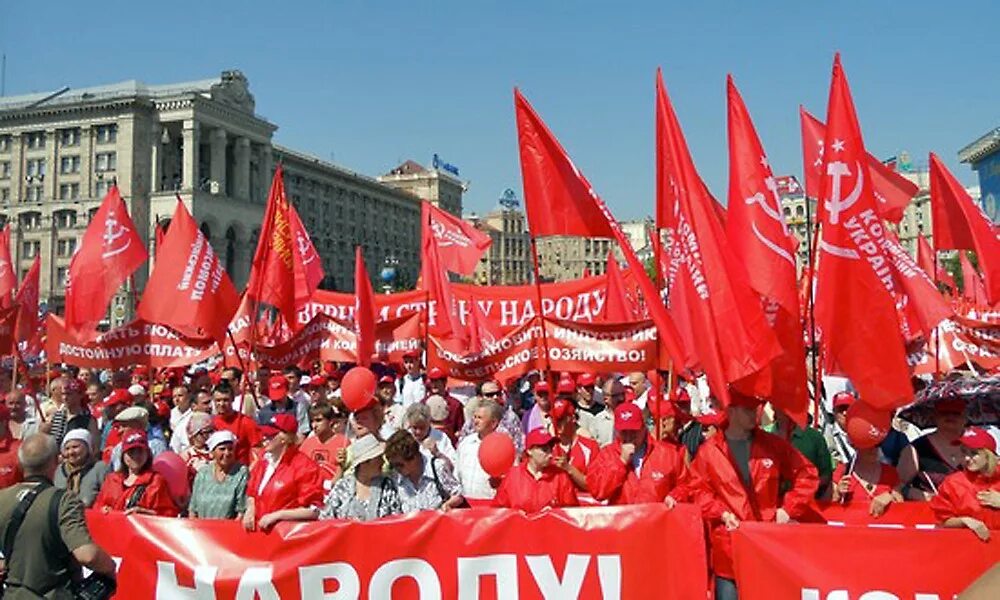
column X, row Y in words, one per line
column 69, row 164
column 69, row 191
column 5, row 169
column 34, row 193
column 101, row 188
column 35, row 167
column 65, row 248
column 107, row 134
column 106, row 161
column 4, row 194
column 30, row 220
column 30, row 248
column 69, row 137
column 62, row 273
column 35, row 140
column 4, row 143
column 800, row 211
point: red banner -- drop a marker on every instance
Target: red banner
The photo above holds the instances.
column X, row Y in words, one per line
column 963, row 341
column 137, row 343
column 819, row 562
column 612, row 553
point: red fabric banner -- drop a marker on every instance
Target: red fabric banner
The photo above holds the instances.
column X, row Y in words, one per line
column 137, row 343
column 8, row 279
column 577, row 553
column 819, row 562
column 459, row 244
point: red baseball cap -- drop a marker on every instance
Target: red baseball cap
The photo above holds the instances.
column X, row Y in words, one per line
column 628, row 417
column 542, row 387
column 162, row 409
column 976, row 438
column 436, row 373
column 387, row 379
column 716, row 419
column 566, row 386
column 277, row 387
column 680, row 396
column 562, row 408
column 843, row 399
column 743, row 400
column 118, row 397
column 317, row 381
column 74, row 385
column 334, row 376
column 411, row 354
column 134, row 439
column 538, row 437
column 142, row 370
column 586, row 379
column 280, row 423
column 658, row 407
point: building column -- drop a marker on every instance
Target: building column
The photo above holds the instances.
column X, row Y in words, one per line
column 155, row 158
column 265, row 172
column 241, row 172
column 218, row 141
column 49, row 189
column 87, row 162
column 189, row 173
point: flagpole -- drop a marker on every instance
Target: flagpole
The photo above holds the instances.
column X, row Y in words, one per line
column 937, row 333
column 658, row 280
column 541, row 316
column 812, row 237
column 243, row 367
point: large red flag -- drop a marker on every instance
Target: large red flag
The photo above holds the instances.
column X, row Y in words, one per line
column 617, row 306
column 857, row 294
column 27, row 303
column 960, row 225
column 286, row 268
column 927, row 259
column 460, row 245
column 364, row 310
column 736, row 341
column 892, row 191
column 756, row 228
column 973, row 288
column 560, row 201
column 8, row 279
column 434, row 279
column 110, row 251
column 189, row 290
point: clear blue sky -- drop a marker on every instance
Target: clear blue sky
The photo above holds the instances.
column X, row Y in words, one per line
column 371, row 83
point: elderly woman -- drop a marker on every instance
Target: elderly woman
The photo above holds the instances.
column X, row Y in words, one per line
column 80, row 472
column 199, row 427
column 423, row 482
column 220, row 487
column 136, row 487
column 363, row 493
column 434, row 442
column 971, row 498
column 932, row 457
column 536, row 484
column 284, row 485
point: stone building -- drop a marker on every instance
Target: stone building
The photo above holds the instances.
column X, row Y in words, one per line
column 508, row 260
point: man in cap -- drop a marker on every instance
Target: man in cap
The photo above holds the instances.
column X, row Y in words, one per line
column 736, row 478
column 370, row 419
column 385, row 391
column 538, row 416
column 836, row 436
column 280, row 400
column 227, row 419
column 410, row 388
column 536, row 483
column 602, row 425
column 135, row 418
column 572, row 452
column 437, row 384
column 586, row 398
column 635, row 469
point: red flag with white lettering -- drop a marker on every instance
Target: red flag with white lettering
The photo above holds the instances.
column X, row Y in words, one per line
column 8, row 279
column 738, row 342
column 758, row 233
column 973, row 288
column 434, row 279
column 560, row 201
column 110, row 251
column 189, row 290
column 364, row 310
column 857, row 294
column 27, row 303
column 460, row 245
column 959, row 224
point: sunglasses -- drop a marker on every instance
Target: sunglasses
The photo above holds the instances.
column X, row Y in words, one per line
column 491, row 394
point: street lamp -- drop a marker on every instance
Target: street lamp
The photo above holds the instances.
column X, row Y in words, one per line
column 388, row 273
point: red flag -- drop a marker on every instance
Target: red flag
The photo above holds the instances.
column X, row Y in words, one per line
column 735, row 340
column 922, row 305
column 8, row 279
column 286, row 268
column 927, row 259
column 973, row 288
column 364, row 310
column 892, row 191
column 855, row 313
column 434, row 279
column 110, row 251
column 460, row 245
column 8, row 327
column 617, row 307
column 560, row 201
column 960, row 225
column 189, row 290
column 482, row 329
column 758, row 233
column 27, row 303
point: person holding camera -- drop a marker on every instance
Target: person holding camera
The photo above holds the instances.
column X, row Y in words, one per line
column 44, row 534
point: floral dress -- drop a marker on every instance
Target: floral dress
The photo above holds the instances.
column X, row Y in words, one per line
column 342, row 501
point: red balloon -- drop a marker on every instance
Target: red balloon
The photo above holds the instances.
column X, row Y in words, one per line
column 175, row 471
column 496, row 453
column 867, row 426
column 357, row 388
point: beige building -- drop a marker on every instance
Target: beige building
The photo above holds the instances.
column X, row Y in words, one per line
column 508, row 260
column 561, row 258
column 203, row 141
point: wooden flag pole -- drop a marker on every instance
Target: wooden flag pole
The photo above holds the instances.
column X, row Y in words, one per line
column 541, row 317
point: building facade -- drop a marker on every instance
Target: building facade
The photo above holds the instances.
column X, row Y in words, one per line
column 508, row 260
column 983, row 155
column 201, row 141
column 561, row 258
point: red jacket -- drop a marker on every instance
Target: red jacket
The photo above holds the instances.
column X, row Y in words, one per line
column 520, row 489
column 296, row 483
column 717, row 488
column 114, row 494
column 956, row 497
column 582, row 453
column 246, row 431
column 10, row 468
column 662, row 473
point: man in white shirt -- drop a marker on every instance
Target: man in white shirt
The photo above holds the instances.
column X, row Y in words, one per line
column 602, row 425
column 410, row 387
column 180, row 414
column 476, row 481
column 299, row 397
column 640, row 385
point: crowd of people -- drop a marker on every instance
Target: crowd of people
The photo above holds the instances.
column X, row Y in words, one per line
column 270, row 447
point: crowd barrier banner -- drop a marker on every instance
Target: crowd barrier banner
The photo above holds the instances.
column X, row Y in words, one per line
column 820, row 562
column 624, row 553
column 904, row 514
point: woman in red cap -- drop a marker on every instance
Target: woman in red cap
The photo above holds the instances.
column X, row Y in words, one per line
column 971, row 498
column 930, row 458
column 572, row 453
column 136, row 487
column 866, row 478
column 285, row 484
column 663, row 414
column 536, row 484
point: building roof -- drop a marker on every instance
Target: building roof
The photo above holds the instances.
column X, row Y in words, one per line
column 410, row 167
column 981, row 148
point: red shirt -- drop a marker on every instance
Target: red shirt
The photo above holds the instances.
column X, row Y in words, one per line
column 10, row 468
column 582, row 453
column 325, row 453
column 521, row 490
column 296, row 483
column 888, row 480
column 662, row 472
column 956, row 497
column 246, row 432
column 115, row 493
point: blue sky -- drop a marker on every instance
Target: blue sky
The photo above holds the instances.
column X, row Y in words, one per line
column 369, row 84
